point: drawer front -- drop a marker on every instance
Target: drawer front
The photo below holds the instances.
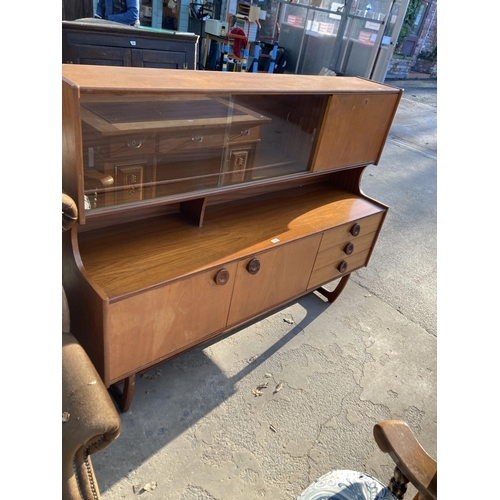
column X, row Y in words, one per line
column 242, row 133
column 347, row 232
column 334, row 270
column 100, row 150
column 159, row 59
column 344, row 249
column 196, row 140
column 132, row 146
column 155, row 324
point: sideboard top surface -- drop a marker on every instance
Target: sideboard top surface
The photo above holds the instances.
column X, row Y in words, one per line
column 162, row 249
column 105, row 79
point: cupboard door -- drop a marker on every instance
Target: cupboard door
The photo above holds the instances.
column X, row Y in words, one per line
column 98, row 55
column 159, row 59
column 158, row 323
column 272, row 277
column 354, row 130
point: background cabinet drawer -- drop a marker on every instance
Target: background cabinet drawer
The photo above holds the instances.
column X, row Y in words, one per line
column 132, row 146
column 242, row 133
column 195, row 140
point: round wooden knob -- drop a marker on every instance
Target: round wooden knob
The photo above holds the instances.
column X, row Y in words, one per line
column 343, row 266
column 355, row 229
column 349, row 248
column 253, row 266
column 221, row 277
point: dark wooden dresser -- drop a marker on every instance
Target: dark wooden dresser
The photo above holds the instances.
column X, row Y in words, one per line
column 95, row 41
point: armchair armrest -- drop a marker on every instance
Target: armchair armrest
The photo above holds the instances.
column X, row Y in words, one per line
column 90, row 420
column 397, row 439
column 69, row 212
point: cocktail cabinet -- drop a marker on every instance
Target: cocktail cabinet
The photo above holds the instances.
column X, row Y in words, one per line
column 209, row 199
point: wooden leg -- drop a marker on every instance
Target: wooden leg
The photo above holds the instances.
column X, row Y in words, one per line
column 124, row 397
column 398, row 483
column 333, row 295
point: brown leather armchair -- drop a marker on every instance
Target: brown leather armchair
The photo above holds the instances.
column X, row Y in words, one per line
column 90, row 419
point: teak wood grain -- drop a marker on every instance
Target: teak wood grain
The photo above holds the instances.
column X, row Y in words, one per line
column 284, row 272
column 128, row 258
column 172, row 317
column 354, row 130
column 102, row 80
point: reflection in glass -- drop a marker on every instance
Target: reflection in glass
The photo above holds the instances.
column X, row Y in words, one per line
column 144, row 147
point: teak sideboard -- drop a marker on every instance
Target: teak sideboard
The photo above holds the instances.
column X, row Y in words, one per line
column 209, row 199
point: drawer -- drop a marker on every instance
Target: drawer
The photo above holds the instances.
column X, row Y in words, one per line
column 351, row 231
column 196, row 140
column 155, row 324
column 99, row 150
column 131, row 146
column 334, row 269
column 343, row 250
column 242, row 133
column 350, row 244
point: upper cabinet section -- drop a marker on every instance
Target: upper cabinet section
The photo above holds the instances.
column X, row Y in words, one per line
column 354, row 129
column 135, row 137
column 144, row 147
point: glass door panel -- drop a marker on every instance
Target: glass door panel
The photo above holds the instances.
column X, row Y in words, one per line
column 142, row 147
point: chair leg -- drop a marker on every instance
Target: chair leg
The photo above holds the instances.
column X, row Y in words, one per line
column 398, row 483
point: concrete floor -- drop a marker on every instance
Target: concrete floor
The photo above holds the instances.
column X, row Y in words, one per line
column 195, row 430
